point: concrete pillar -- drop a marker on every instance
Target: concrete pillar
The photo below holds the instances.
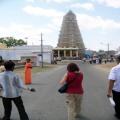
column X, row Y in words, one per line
column 64, row 53
column 70, row 53
column 58, row 53
column 76, row 53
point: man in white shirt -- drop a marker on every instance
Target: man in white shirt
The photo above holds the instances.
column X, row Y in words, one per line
column 114, row 86
column 11, row 86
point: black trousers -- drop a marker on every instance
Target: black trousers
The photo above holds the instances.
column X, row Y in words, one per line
column 7, row 103
column 116, row 98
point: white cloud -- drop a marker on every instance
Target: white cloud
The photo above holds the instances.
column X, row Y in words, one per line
column 58, row 1
column 87, row 6
column 96, row 22
column 110, row 3
column 56, row 16
column 22, row 31
column 48, row 1
column 85, row 21
column 30, row 0
column 42, row 12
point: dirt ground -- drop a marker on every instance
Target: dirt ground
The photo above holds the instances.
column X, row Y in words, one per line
column 105, row 67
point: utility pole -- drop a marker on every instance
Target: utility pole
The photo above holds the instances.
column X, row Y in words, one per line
column 108, row 50
column 26, row 38
column 41, row 51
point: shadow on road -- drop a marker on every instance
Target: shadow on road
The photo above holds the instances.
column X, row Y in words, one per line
column 83, row 118
column 37, row 84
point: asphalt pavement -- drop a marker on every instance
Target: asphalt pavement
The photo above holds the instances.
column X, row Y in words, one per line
column 47, row 104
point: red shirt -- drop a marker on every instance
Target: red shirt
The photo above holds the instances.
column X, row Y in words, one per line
column 75, row 83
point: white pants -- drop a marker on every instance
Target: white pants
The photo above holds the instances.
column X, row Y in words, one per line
column 74, row 105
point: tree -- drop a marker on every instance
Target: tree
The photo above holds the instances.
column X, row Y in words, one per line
column 12, row 42
column 101, row 51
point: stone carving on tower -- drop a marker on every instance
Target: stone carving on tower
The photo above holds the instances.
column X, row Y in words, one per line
column 70, row 36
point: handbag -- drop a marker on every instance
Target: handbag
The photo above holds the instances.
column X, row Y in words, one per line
column 63, row 88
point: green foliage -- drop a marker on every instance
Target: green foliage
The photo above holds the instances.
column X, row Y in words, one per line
column 11, row 42
column 101, row 51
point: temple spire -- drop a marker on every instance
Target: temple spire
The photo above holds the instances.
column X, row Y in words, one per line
column 70, row 35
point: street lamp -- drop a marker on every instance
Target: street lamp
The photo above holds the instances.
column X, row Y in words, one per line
column 41, row 51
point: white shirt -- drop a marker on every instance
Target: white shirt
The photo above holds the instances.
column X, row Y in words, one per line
column 11, row 84
column 115, row 75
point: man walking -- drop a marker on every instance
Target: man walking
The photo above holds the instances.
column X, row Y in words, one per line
column 11, row 86
column 114, row 86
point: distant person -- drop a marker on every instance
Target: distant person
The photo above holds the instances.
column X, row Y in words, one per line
column 105, row 60
column 114, row 86
column 100, row 60
column 84, row 59
column 11, row 86
column 90, row 60
column 94, row 60
column 74, row 92
column 97, row 60
column 28, row 76
column 2, row 68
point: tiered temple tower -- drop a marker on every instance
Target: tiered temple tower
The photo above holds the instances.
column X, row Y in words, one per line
column 70, row 43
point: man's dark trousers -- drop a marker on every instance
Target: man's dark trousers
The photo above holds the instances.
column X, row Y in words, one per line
column 116, row 98
column 7, row 103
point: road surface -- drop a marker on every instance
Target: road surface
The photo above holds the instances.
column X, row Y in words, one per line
column 47, row 104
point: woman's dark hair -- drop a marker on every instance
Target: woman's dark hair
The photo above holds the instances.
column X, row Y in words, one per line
column 9, row 65
column 72, row 67
column 28, row 59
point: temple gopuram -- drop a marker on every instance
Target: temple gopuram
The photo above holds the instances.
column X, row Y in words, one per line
column 70, row 43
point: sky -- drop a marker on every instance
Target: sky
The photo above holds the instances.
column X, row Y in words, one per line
column 98, row 20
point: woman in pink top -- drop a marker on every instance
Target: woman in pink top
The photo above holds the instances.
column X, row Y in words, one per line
column 75, row 90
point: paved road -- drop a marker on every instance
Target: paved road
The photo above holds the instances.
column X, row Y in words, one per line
column 48, row 104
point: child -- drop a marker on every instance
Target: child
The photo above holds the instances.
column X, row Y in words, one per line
column 11, row 91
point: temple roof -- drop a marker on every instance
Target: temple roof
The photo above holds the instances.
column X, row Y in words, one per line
column 70, row 13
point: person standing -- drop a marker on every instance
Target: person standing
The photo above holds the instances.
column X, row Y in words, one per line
column 74, row 92
column 28, row 67
column 2, row 68
column 114, row 86
column 11, row 87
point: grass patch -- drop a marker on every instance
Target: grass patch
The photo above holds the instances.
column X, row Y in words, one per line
column 108, row 65
column 35, row 70
column 45, row 68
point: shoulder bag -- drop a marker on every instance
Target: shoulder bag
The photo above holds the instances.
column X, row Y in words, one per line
column 63, row 88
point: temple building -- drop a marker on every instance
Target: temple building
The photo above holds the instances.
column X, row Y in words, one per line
column 70, row 43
